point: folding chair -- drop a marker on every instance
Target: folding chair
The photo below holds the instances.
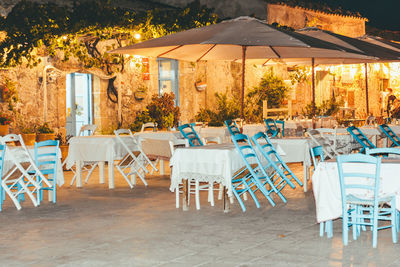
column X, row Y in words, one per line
column 16, row 185
column 272, row 129
column 383, row 152
column 134, row 162
column 319, row 140
column 232, row 127
column 86, row 130
column 360, row 138
column 152, row 126
column 190, row 134
column 362, row 206
column 390, row 134
column 249, row 179
column 281, row 173
column 46, row 159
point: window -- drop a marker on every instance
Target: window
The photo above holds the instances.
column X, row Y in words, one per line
column 168, row 77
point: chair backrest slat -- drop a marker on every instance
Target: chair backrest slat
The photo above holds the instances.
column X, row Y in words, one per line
column 360, row 138
column 232, row 127
column 190, row 134
column 390, row 134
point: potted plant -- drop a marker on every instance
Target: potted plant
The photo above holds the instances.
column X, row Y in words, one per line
column 64, row 147
column 44, row 132
column 5, row 121
column 28, row 134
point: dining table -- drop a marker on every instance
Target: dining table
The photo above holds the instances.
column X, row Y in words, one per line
column 97, row 148
column 212, row 163
column 326, row 186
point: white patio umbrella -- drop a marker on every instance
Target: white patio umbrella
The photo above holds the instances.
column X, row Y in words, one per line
column 239, row 39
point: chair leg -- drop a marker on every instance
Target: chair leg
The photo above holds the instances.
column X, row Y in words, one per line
column 321, row 228
column 220, row 192
column 197, row 195
column 177, row 197
column 211, row 193
column 90, row 172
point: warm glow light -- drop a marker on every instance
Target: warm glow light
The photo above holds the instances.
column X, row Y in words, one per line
column 137, row 36
column 64, row 37
column 377, row 67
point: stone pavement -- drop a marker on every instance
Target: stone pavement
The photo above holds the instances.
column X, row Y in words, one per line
column 95, row 226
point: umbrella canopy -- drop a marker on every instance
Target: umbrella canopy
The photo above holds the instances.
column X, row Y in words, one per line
column 378, row 49
column 381, row 42
column 239, row 39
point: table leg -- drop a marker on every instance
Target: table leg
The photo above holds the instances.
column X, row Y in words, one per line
column 102, row 179
column 226, row 201
column 185, row 195
column 78, row 173
column 111, row 174
column 305, row 175
column 162, row 167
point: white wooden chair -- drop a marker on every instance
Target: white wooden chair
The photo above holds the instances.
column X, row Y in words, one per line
column 88, row 166
column 16, row 185
column 319, row 140
column 135, row 162
column 149, row 126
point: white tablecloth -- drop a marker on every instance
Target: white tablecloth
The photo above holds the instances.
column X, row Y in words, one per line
column 221, row 132
column 217, row 162
column 326, row 187
column 160, row 135
column 296, row 149
column 21, row 157
column 97, row 148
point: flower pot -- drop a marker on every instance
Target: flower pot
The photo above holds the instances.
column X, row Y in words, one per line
column 29, row 139
column 45, row 136
column 64, row 154
column 4, row 129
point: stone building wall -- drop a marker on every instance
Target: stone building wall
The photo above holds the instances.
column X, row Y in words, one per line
column 297, row 18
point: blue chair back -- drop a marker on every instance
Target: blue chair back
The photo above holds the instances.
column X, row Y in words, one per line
column 317, row 151
column 390, row 134
column 190, row 134
column 384, row 151
column 46, row 159
column 272, row 129
column 232, row 127
column 274, row 160
column 360, row 138
column 2, row 192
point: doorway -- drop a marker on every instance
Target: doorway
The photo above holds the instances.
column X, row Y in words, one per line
column 168, row 74
column 79, row 102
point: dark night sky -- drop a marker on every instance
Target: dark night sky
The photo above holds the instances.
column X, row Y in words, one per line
column 384, row 14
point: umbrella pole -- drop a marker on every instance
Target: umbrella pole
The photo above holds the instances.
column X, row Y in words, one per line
column 243, row 74
column 313, row 86
column 366, row 86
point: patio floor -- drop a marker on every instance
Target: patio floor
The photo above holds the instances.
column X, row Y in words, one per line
column 95, row 226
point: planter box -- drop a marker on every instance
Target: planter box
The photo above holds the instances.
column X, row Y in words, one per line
column 29, row 139
column 43, row 137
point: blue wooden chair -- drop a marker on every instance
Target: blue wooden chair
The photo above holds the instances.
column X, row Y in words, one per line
column 383, row 152
column 274, row 160
column 272, row 129
column 249, row 179
column 2, row 193
column 46, row 159
column 232, row 127
column 390, row 134
column 361, row 203
column 190, row 134
column 360, row 138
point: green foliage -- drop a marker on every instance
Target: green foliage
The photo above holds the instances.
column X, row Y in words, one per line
column 271, row 88
column 327, row 108
column 44, row 128
column 226, row 109
column 9, row 93
column 162, row 110
column 298, row 74
column 141, row 118
column 77, row 31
